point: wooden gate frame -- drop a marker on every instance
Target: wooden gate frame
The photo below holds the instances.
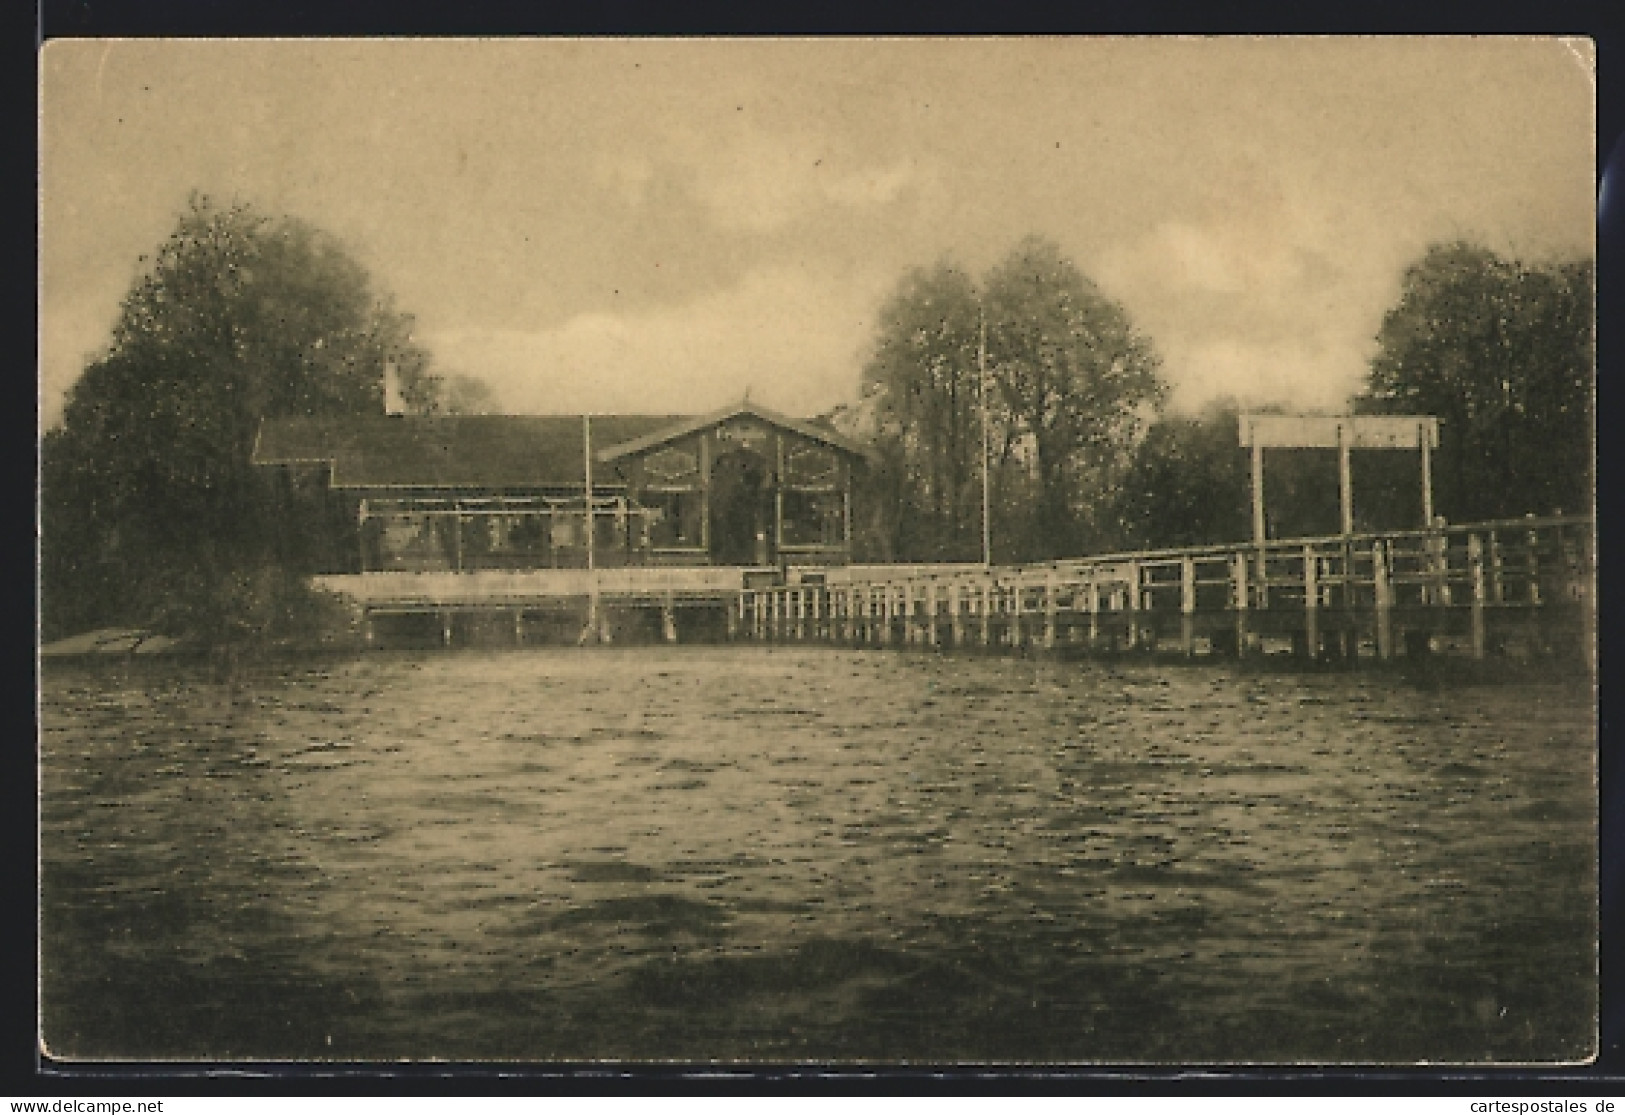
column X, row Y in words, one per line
column 1341, row 432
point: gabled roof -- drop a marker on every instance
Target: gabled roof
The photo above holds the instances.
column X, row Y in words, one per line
column 448, row 451
column 489, row 450
column 685, row 426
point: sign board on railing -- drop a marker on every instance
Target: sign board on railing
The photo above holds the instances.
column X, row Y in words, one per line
column 1320, row 431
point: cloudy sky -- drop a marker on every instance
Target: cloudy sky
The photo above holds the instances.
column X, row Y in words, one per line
column 661, row 225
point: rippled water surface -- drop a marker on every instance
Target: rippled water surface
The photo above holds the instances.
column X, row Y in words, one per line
column 785, row 854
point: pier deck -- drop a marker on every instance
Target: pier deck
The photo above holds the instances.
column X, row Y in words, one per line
column 1477, row 590
column 405, row 592
column 1516, row 586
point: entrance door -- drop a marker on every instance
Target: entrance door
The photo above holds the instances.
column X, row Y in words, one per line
column 742, row 509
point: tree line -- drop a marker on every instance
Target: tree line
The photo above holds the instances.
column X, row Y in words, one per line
column 1084, row 456
column 1055, row 370
column 151, row 513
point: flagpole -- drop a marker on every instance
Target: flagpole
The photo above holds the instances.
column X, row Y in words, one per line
column 987, row 502
column 586, row 451
column 592, row 631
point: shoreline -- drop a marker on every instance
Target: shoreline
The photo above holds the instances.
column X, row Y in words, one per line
column 1429, row 671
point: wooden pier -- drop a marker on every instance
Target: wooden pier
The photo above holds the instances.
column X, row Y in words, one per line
column 1520, row 587
column 496, row 606
column 1513, row 588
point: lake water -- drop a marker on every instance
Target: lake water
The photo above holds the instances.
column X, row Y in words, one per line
column 783, row 854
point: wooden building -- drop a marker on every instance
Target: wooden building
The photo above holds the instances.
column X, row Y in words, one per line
column 743, row 486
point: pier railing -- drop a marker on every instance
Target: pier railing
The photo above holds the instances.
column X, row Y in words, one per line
column 408, row 591
column 1471, row 588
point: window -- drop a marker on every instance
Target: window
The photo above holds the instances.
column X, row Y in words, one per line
column 675, row 519
column 814, row 519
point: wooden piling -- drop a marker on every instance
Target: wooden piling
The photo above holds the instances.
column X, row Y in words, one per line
column 1133, row 605
column 668, row 619
column 1383, row 594
column 1475, row 563
column 1187, row 605
column 1311, row 603
column 1532, row 543
column 1240, row 599
column 1050, row 604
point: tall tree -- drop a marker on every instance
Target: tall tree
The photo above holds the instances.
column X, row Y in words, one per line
column 1188, row 482
column 1077, row 382
column 922, row 381
column 1069, row 385
column 1502, row 352
column 149, row 502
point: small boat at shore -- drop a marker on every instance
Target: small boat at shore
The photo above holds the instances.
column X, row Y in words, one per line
column 112, row 642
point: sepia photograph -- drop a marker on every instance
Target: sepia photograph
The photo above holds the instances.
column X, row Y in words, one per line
column 980, row 551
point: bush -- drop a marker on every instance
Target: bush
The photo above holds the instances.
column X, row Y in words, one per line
column 253, row 609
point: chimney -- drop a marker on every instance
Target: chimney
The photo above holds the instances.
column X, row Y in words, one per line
column 394, row 403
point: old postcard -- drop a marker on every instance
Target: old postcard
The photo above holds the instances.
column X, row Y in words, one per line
column 955, row 551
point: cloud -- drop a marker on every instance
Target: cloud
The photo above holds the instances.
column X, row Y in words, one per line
column 1277, row 260
column 754, row 180
column 1185, row 255
column 1301, row 374
column 625, row 174
column 792, row 337
column 761, row 181
column 1274, row 308
column 870, row 186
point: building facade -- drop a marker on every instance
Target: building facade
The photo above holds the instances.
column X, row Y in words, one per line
column 743, row 486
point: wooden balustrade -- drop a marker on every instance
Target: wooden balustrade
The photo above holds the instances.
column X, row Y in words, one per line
column 1522, row 586
column 1337, row 597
